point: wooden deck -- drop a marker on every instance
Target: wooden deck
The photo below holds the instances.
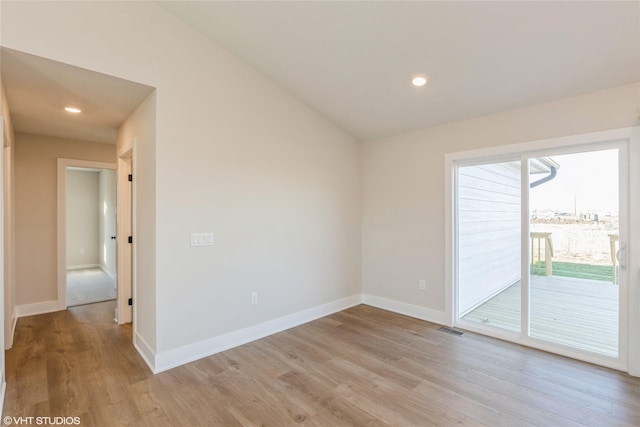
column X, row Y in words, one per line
column 575, row 312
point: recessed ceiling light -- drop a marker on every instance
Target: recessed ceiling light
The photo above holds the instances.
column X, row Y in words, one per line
column 72, row 110
column 419, row 81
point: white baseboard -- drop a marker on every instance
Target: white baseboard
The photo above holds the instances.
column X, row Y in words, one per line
column 14, row 322
column 145, row 350
column 3, row 391
column 37, row 308
column 82, row 266
column 107, row 272
column 188, row 353
column 179, row 356
column 411, row 310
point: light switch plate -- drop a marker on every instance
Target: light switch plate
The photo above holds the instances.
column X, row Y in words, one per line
column 201, row 239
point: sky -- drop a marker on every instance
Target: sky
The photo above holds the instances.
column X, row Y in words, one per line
column 586, row 181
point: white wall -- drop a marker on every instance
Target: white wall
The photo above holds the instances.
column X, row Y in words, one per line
column 233, row 154
column 9, row 254
column 141, row 128
column 403, row 178
column 107, row 220
column 8, row 203
column 6, row 116
column 6, row 296
column 83, row 219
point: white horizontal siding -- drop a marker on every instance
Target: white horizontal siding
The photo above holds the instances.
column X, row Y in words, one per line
column 488, row 205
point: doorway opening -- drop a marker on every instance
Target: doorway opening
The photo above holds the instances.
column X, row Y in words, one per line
column 116, row 111
column 90, row 236
column 87, row 254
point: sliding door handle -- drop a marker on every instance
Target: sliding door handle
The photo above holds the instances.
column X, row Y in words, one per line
column 621, row 256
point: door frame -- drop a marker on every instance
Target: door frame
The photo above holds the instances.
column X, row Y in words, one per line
column 63, row 164
column 630, row 360
column 124, row 229
column 622, row 145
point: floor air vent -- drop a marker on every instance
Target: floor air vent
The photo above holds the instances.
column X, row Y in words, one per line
column 451, row 331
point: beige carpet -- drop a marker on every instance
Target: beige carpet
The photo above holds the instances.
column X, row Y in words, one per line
column 88, row 286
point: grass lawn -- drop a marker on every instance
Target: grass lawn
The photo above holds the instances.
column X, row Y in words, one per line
column 579, row 271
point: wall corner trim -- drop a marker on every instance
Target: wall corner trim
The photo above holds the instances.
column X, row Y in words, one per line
column 410, row 310
column 198, row 350
column 14, row 322
column 145, row 351
column 83, row 266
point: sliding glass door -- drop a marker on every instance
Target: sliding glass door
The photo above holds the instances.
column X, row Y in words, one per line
column 539, row 243
column 574, row 289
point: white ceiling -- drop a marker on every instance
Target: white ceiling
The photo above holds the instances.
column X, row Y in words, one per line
column 38, row 89
column 352, row 61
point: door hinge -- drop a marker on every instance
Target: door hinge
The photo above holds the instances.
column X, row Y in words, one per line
column 130, row 239
column 130, row 301
column 130, row 177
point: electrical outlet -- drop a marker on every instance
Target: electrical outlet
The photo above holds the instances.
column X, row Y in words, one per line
column 254, row 297
column 422, row 285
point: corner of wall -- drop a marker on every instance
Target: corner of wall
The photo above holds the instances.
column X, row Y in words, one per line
column 5, row 114
column 8, row 340
column 145, row 350
column 136, row 142
column 422, row 313
column 189, row 353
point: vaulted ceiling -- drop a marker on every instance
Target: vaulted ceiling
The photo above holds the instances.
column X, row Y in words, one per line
column 352, row 61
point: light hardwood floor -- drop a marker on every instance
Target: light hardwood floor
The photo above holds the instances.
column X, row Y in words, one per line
column 359, row 367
